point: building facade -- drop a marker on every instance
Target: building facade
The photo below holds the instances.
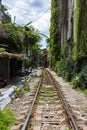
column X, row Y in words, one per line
column 73, row 17
column 4, row 17
column 66, row 21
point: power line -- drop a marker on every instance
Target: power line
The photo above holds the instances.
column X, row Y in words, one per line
column 22, row 8
column 34, row 11
column 37, row 18
column 40, row 15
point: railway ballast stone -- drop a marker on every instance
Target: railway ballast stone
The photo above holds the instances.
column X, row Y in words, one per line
column 77, row 101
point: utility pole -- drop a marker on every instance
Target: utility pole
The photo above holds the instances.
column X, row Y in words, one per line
column 0, row 11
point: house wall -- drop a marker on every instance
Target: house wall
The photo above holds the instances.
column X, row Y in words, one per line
column 70, row 17
column 4, row 67
column 63, row 20
column 66, row 22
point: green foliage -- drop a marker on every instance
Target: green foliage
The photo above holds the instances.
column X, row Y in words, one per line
column 54, row 34
column 66, row 68
column 85, row 91
column 32, row 123
column 27, row 63
column 65, row 50
column 80, row 41
column 19, row 92
column 3, row 8
column 70, row 66
column 81, row 80
column 6, row 119
column 13, row 38
column 26, row 86
column 2, row 50
column 32, row 36
column 17, row 38
column 34, row 49
column 76, row 82
column 60, row 67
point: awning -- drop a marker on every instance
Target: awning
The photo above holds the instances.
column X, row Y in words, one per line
column 11, row 55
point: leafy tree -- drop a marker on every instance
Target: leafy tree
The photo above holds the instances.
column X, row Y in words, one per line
column 3, row 8
column 17, row 38
column 43, row 57
column 31, row 37
column 12, row 36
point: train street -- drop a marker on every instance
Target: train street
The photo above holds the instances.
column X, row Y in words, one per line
column 48, row 112
column 43, row 65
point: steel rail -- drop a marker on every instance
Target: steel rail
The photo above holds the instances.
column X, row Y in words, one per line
column 74, row 124
column 25, row 126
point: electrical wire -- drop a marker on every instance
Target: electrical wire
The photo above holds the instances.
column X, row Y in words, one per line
column 34, row 11
column 22, row 8
column 40, row 16
column 32, row 21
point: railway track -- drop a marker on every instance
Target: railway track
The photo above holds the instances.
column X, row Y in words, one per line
column 49, row 109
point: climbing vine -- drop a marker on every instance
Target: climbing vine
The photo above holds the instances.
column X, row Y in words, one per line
column 13, row 36
column 80, row 41
column 65, row 50
column 17, row 38
column 71, row 65
column 54, row 34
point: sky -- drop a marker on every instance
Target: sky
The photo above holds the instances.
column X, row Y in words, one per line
column 25, row 11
